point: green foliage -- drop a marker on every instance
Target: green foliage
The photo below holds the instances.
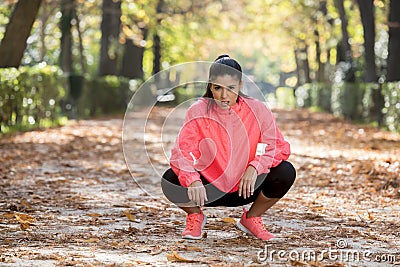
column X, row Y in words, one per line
column 303, row 95
column 5, row 12
column 200, row 30
column 188, row 92
column 262, row 35
column 391, row 91
column 285, row 97
column 343, row 99
column 30, row 96
column 355, row 101
column 321, row 96
column 316, row 95
column 370, row 90
column 105, row 95
column 261, row 67
column 347, row 100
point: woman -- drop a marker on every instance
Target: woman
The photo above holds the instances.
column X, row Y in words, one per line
column 229, row 152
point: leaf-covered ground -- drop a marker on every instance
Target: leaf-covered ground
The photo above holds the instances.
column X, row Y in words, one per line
column 68, row 199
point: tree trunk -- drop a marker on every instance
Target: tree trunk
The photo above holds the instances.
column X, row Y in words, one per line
column 157, row 41
column 300, row 80
column 67, row 14
column 82, row 60
column 43, row 18
column 132, row 61
column 110, row 29
column 321, row 65
column 306, row 65
column 17, row 32
column 344, row 53
column 303, row 67
column 320, row 75
column 157, row 53
column 393, row 61
column 46, row 12
column 368, row 20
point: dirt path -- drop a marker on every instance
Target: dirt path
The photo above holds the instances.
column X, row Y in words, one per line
column 67, row 199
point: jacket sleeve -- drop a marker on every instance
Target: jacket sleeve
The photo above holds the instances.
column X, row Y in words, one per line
column 185, row 152
column 276, row 148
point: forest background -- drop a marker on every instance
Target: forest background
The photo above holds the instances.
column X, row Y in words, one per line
column 64, row 59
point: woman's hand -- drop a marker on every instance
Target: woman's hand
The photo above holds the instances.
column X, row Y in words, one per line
column 197, row 193
column 247, row 182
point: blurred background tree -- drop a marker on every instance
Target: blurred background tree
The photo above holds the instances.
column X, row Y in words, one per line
column 13, row 43
column 393, row 61
column 340, row 56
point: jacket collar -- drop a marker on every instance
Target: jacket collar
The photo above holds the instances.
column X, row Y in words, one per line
column 233, row 109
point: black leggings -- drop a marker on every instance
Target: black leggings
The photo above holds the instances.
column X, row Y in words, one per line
column 275, row 184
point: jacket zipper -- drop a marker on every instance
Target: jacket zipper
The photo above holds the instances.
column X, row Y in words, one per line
column 230, row 132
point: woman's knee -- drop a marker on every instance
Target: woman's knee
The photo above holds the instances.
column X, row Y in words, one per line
column 169, row 181
column 170, row 175
column 288, row 173
column 280, row 180
column 172, row 188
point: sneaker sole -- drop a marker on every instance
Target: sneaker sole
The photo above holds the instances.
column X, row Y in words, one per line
column 247, row 231
column 244, row 229
column 201, row 234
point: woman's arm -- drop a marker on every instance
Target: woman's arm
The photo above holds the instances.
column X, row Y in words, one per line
column 185, row 150
column 275, row 148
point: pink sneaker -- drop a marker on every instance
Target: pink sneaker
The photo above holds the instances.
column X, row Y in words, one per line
column 254, row 226
column 194, row 226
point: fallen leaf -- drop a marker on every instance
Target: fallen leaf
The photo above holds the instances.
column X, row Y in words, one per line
column 215, row 262
column 26, row 205
column 9, row 216
column 297, row 263
column 94, row 215
column 129, row 216
column 370, row 216
column 229, row 220
column 190, row 248
column 356, row 169
column 136, row 262
column 176, row 257
column 144, row 209
column 25, row 220
column 92, row 240
column 156, row 250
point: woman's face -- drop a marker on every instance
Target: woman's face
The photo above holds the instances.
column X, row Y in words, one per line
column 225, row 90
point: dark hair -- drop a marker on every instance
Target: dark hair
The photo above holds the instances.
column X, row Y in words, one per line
column 223, row 65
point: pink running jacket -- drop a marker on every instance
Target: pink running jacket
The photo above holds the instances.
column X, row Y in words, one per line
column 221, row 144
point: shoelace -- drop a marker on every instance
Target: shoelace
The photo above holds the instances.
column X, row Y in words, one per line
column 191, row 221
column 258, row 221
